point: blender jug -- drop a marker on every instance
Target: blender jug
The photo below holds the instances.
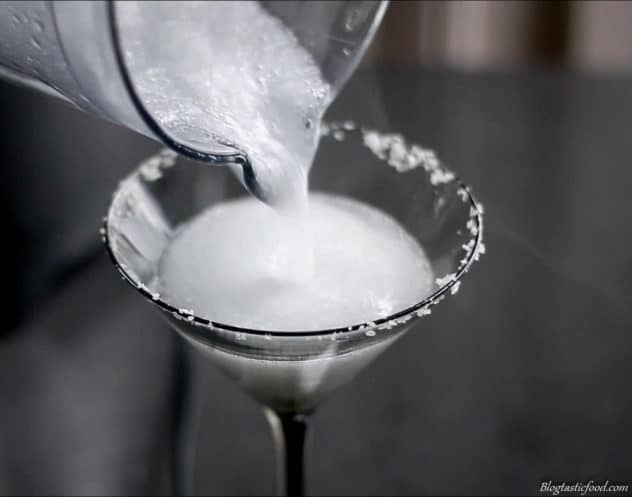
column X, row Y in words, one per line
column 73, row 50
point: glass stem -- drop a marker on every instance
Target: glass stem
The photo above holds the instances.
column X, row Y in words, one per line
column 288, row 432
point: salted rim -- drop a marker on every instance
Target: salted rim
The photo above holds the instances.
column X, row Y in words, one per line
column 473, row 249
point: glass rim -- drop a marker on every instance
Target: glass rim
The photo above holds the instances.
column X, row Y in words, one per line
column 475, row 249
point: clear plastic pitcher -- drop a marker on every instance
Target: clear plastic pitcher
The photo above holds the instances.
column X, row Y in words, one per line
column 72, row 50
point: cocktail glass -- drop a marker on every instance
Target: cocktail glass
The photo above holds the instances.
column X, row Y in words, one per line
column 291, row 373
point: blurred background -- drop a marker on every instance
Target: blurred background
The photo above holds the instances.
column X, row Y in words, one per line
column 523, row 378
column 491, row 35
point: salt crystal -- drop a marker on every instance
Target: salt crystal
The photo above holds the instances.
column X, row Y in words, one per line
column 445, row 279
column 349, row 125
column 424, row 311
column 472, row 226
column 372, row 141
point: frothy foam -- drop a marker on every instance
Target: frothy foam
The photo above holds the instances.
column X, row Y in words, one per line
column 229, row 265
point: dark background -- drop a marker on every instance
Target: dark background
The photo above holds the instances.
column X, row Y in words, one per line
column 522, row 378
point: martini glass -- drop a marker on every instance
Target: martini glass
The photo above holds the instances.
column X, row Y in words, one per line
column 291, row 373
